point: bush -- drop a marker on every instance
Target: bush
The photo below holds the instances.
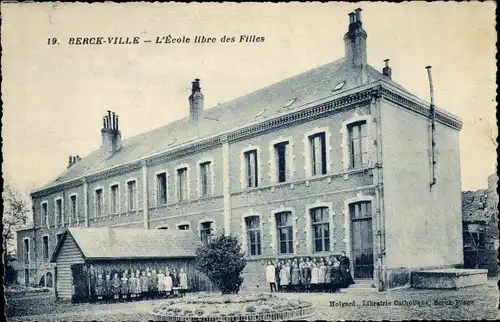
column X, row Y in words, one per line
column 250, row 309
column 222, row 260
column 199, row 312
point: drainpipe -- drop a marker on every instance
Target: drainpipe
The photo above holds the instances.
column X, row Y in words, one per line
column 432, row 117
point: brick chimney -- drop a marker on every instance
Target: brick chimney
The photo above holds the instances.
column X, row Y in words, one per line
column 111, row 137
column 387, row 71
column 355, row 47
column 72, row 160
column 195, row 101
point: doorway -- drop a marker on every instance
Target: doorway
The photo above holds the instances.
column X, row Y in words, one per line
column 362, row 239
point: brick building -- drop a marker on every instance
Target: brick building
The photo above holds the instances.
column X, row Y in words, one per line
column 480, row 227
column 336, row 158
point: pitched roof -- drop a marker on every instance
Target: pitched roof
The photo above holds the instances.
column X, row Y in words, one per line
column 310, row 86
column 127, row 243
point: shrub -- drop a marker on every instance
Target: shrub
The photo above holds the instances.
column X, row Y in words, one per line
column 187, row 311
column 250, row 309
column 199, row 312
column 222, row 260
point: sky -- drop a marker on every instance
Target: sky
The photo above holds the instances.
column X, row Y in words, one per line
column 54, row 96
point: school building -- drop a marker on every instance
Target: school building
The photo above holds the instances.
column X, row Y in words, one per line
column 338, row 158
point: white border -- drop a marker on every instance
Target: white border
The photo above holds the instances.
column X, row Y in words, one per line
column 56, row 223
column 188, row 185
column 167, row 185
column 309, row 230
column 307, row 150
column 184, row 222
column 289, row 159
column 136, row 207
column 244, row 237
column 110, row 196
column 213, row 226
column 344, row 134
column 347, row 223
column 48, row 248
column 76, row 209
column 29, row 253
column 243, row 167
column 274, row 229
column 99, row 187
column 47, row 220
column 211, row 189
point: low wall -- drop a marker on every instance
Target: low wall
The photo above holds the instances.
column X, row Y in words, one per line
column 448, row 278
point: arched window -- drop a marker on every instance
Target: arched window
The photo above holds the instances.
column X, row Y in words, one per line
column 284, row 226
column 321, row 229
column 48, row 280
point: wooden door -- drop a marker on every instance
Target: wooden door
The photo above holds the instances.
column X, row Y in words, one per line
column 80, row 282
column 362, row 240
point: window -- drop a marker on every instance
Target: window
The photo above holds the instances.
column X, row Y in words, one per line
column 205, row 231
column 72, row 208
column 114, row 199
column 45, row 247
column 58, row 237
column 318, row 153
column 132, row 194
column 360, row 210
column 59, row 214
column 98, row 202
column 321, row 229
column 26, row 252
column 251, row 169
column 358, row 142
column 182, row 191
column 252, row 224
column 163, row 227
column 45, row 216
column 281, row 151
column 285, row 232
column 205, row 179
column 183, row 227
column 161, row 184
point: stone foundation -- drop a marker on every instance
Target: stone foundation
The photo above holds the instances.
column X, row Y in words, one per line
column 448, row 278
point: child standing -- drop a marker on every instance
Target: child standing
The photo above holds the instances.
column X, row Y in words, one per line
column 295, row 277
column 270, row 276
column 321, row 275
column 116, row 284
column 183, row 282
column 284, row 277
column 161, row 283
column 125, row 288
column 314, row 277
column 99, row 287
column 168, row 282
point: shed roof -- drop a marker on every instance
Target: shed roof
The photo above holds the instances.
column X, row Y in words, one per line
column 131, row 243
column 313, row 85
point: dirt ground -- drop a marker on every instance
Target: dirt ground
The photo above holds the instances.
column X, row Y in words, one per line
column 479, row 302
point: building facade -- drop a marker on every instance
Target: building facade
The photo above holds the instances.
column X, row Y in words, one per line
column 339, row 158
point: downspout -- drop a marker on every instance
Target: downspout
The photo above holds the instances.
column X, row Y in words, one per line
column 432, row 117
column 378, row 182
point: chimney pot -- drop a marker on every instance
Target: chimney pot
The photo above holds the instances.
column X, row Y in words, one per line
column 111, row 136
column 196, row 100
column 358, row 14
column 352, row 17
column 387, row 70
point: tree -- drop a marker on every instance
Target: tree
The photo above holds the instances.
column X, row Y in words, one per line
column 222, row 260
column 15, row 215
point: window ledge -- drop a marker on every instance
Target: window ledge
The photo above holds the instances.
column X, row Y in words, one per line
column 303, row 181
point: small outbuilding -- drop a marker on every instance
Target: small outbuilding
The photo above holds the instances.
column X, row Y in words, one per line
column 83, row 254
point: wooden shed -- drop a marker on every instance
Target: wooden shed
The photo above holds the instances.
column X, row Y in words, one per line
column 84, row 253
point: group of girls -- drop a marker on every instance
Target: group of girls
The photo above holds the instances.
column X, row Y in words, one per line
column 139, row 284
column 309, row 275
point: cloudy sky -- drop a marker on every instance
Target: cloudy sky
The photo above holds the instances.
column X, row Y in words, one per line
column 54, row 96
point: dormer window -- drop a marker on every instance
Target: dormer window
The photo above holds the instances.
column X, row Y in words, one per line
column 339, row 86
column 289, row 103
column 260, row 113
